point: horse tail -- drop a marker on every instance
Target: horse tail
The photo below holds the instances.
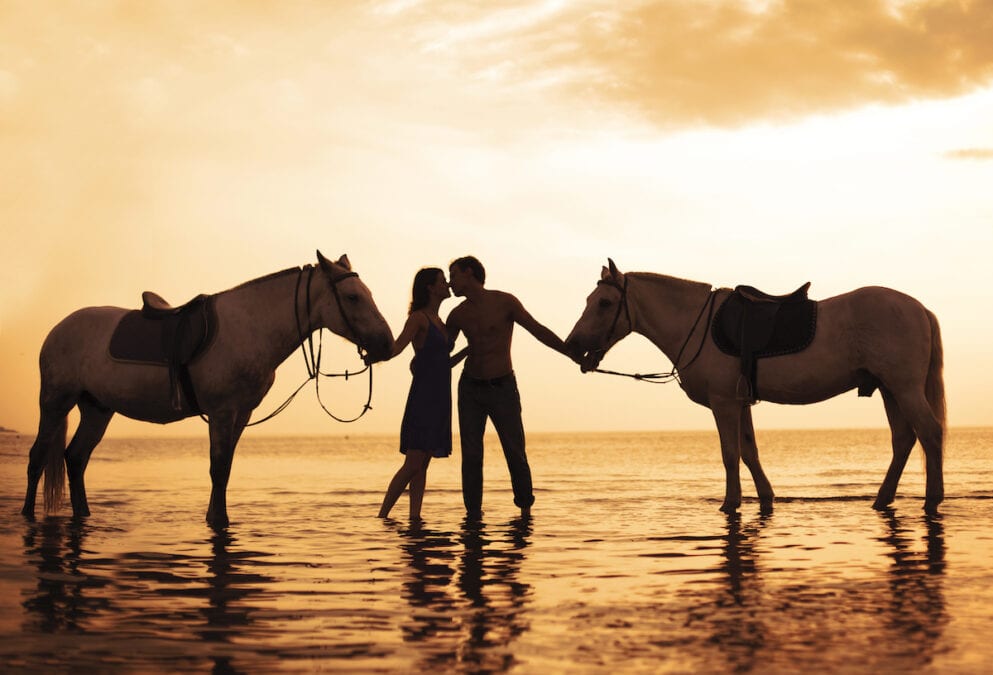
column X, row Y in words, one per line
column 55, row 467
column 934, row 387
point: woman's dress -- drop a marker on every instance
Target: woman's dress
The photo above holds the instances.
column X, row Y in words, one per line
column 427, row 419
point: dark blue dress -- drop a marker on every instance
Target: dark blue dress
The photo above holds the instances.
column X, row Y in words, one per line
column 427, row 419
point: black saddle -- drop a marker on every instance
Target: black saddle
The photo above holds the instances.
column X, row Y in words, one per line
column 163, row 335
column 752, row 324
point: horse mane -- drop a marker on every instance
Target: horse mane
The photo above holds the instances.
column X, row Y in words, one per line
column 675, row 283
column 267, row 277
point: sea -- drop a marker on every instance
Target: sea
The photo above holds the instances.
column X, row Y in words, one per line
column 626, row 564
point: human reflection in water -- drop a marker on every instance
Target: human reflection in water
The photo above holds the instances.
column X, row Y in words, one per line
column 497, row 599
column 916, row 578
column 430, row 555
column 68, row 594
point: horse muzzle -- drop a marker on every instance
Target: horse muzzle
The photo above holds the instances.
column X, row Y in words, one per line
column 587, row 357
column 377, row 349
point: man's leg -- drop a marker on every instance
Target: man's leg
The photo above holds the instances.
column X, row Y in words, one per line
column 472, row 424
column 505, row 411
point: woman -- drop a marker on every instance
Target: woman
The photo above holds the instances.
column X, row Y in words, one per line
column 426, row 430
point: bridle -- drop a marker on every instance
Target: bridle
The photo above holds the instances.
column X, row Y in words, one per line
column 312, row 356
column 653, row 378
column 623, row 304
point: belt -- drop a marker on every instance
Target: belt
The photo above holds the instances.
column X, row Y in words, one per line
column 489, row 382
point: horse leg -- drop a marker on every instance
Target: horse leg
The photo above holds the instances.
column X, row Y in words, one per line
column 931, row 434
column 750, row 456
column 728, row 418
column 903, row 439
column 49, row 447
column 93, row 421
column 225, row 430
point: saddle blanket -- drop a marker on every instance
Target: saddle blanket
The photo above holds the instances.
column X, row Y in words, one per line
column 166, row 341
column 752, row 325
column 790, row 330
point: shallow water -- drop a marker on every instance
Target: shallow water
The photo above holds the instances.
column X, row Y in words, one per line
column 626, row 564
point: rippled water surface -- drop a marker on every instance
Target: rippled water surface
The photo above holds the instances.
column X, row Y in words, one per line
column 626, row 564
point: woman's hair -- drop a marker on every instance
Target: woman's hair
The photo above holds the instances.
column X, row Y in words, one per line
column 419, row 293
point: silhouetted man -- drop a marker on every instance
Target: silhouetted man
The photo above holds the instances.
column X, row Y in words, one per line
column 488, row 387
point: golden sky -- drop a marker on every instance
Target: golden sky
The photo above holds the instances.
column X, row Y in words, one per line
column 186, row 147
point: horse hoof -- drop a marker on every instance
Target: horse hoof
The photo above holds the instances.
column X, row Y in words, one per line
column 881, row 504
column 765, row 507
column 931, row 509
column 729, row 508
column 218, row 524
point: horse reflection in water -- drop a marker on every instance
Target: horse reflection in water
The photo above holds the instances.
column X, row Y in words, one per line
column 868, row 338
column 229, row 618
column 258, row 325
column 895, row 613
column 67, row 596
column 468, row 603
column 917, row 603
column 82, row 594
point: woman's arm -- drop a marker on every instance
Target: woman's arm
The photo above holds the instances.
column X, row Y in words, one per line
column 456, row 358
column 416, row 323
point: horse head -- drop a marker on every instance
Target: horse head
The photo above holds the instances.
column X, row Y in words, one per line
column 351, row 311
column 604, row 322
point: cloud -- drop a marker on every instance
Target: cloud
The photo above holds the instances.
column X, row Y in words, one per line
column 724, row 64
column 728, row 63
column 971, row 153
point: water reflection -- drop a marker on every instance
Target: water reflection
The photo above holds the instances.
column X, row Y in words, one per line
column 916, row 608
column 468, row 603
column 229, row 586
column 430, row 557
column 736, row 628
column 61, row 601
column 489, row 581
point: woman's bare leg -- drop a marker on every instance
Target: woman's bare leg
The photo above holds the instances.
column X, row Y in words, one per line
column 412, row 462
column 417, row 483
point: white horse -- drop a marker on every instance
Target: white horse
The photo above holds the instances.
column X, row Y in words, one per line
column 259, row 324
column 868, row 338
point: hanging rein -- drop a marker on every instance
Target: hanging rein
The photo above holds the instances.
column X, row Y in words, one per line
column 312, row 360
column 655, row 378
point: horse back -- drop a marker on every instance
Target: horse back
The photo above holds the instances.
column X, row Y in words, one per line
column 85, row 330
column 77, row 345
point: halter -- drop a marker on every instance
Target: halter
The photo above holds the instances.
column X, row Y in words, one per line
column 653, row 378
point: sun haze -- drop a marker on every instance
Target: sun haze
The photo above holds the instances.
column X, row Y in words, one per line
column 156, row 146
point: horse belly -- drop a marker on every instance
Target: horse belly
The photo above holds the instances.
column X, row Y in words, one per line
column 803, row 378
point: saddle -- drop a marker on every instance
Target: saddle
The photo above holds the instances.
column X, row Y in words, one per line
column 752, row 324
column 163, row 335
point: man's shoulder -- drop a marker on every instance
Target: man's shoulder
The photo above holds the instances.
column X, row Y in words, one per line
column 502, row 296
column 458, row 310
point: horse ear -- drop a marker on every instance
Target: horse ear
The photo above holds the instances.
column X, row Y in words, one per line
column 324, row 262
column 613, row 268
column 343, row 261
column 604, row 273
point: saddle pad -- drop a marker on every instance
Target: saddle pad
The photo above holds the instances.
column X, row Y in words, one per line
column 138, row 339
column 792, row 328
column 172, row 340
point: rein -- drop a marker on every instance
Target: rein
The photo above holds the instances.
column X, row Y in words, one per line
column 673, row 374
column 313, row 359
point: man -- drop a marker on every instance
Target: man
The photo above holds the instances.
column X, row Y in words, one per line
column 488, row 387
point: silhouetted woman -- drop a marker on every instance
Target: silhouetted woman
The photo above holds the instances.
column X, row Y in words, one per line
column 426, row 430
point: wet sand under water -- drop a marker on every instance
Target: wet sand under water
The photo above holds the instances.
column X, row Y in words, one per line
column 626, row 565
